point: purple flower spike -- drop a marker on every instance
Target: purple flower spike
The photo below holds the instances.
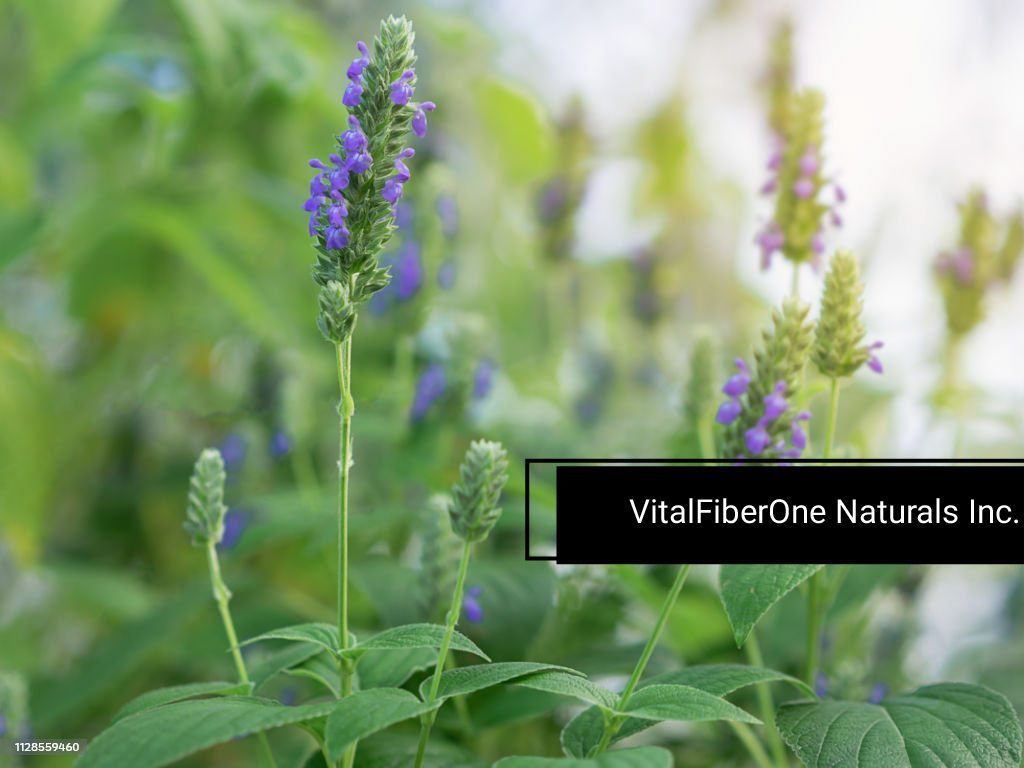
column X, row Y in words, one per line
column 419, row 120
column 728, row 411
column 401, row 89
column 738, row 382
column 803, row 188
column 873, row 362
column 471, row 605
column 757, row 438
column 775, row 403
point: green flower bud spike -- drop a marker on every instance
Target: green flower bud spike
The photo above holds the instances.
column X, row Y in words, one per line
column 204, row 522
column 337, row 313
column 779, row 77
column 700, row 397
column 474, row 507
column 839, row 350
column 439, row 558
column 473, row 511
column 204, row 516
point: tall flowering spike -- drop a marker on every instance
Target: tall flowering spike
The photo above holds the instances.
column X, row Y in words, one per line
column 699, row 398
column 839, row 348
column 779, row 77
column 204, row 515
column 351, row 203
column 804, row 207
column 982, row 257
column 759, row 422
column 474, row 506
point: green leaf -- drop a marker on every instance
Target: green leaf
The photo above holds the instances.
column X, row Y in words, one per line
column 683, row 703
column 274, row 663
column 414, row 636
column 464, row 680
column 398, row 750
column 389, row 669
column 366, row 712
column 723, row 679
column 574, row 685
column 641, row 757
column 323, row 669
column 163, row 735
column 321, row 633
column 585, row 730
column 174, row 693
column 950, row 724
column 749, row 591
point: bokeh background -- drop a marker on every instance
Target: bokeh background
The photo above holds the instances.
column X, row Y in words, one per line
column 583, row 210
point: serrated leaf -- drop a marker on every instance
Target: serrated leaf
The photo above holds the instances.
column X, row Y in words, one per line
column 389, row 669
column 464, row 680
column 949, row 724
column 749, row 591
column 160, row 696
column 685, row 704
column 584, row 731
column 366, row 712
column 414, row 636
column 641, row 757
column 574, row 685
column 163, row 735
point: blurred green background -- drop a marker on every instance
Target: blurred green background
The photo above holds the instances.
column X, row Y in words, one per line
column 155, row 298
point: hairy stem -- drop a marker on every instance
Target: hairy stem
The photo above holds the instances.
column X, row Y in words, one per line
column 454, row 612
column 222, row 595
column 814, row 615
column 764, row 697
column 615, row 723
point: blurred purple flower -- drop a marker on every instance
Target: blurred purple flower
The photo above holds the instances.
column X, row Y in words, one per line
column 429, row 388
column 407, row 271
column 471, row 605
column 280, row 444
column 483, row 378
column 873, row 362
column 878, row 693
column 288, row 696
column 404, row 216
column 3, row 725
column 552, row 200
column 820, row 685
column 448, row 212
column 235, row 523
column 446, row 275
column 232, row 449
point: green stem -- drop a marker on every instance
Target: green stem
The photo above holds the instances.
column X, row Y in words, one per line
column 814, row 615
column 346, row 407
column 222, row 595
column 833, row 413
column 615, row 723
column 442, row 655
column 746, row 735
column 706, row 437
column 764, row 697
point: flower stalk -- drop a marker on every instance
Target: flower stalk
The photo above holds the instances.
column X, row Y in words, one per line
column 613, row 724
